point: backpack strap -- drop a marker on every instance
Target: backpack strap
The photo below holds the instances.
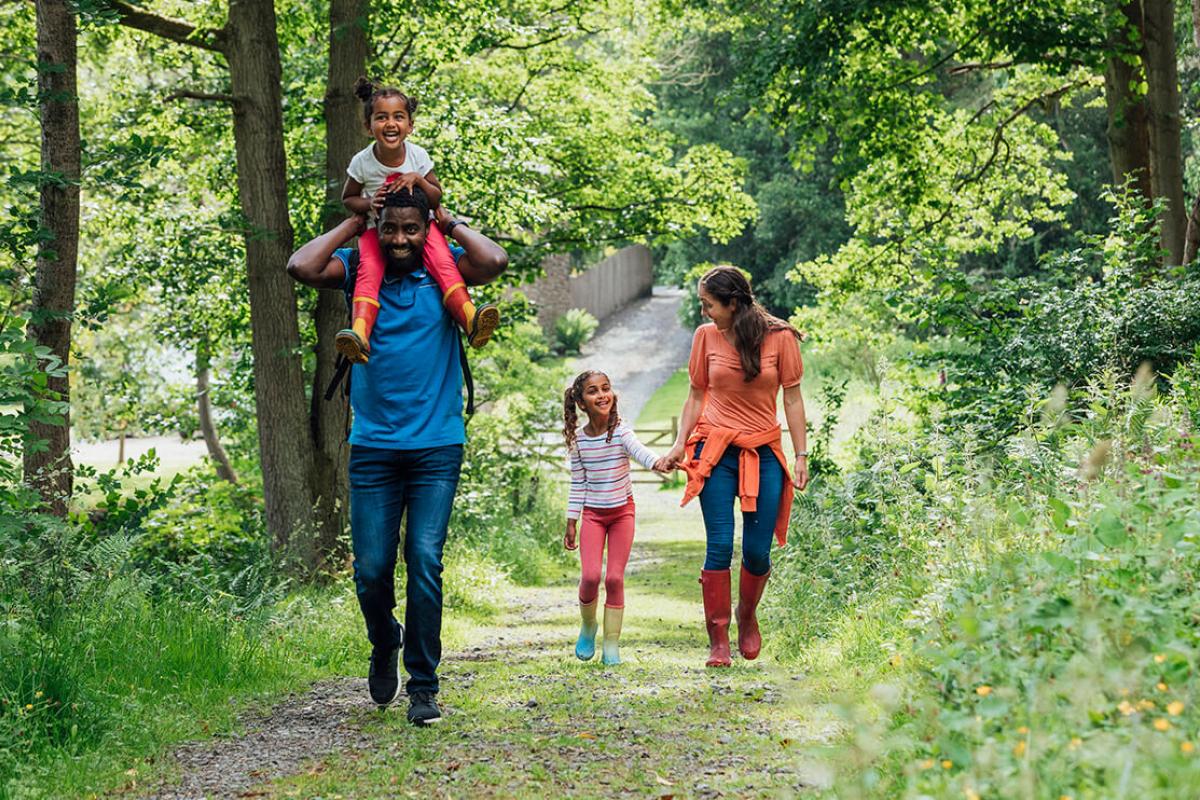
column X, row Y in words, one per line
column 466, row 371
column 341, row 370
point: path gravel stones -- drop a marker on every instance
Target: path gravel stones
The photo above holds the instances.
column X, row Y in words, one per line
column 325, row 719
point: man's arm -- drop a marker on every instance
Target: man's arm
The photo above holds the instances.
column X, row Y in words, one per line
column 483, row 261
column 315, row 265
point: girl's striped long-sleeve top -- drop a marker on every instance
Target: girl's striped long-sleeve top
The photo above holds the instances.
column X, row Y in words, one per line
column 600, row 469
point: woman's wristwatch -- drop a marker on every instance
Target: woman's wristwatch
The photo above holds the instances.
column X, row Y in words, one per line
column 801, row 453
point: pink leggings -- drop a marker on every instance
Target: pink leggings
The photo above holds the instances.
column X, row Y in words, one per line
column 439, row 262
column 615, row 525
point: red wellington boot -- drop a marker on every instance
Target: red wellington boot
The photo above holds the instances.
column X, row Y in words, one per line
column 750, row 590
column 714, row 585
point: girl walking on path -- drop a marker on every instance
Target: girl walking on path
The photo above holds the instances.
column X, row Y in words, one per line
column 602, row 494
column 729, row 444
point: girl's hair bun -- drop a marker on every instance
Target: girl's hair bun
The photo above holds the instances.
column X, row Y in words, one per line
column 363, row 89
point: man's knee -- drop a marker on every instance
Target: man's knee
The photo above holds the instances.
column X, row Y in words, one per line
column 372, row 574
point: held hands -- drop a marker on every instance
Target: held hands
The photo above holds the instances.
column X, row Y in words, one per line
column 569, row 539
column 671, row 461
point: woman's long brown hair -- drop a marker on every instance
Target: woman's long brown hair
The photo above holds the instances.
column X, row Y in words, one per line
column 751, row 321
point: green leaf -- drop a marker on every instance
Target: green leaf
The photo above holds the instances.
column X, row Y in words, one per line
column 1059, row 562
column 1060, row 512
column 1110, row 530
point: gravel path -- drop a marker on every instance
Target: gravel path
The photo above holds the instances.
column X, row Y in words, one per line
column 639, row 347
column 324, row 720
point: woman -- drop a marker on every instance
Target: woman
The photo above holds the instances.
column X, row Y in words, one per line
column 730, row 427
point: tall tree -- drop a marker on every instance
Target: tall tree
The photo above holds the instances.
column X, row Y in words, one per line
column 1162, row 99
column 50, row 469
column 1128, row 118
column 343, row 114
column 249, row 42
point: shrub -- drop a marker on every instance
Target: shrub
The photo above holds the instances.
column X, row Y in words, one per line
column 505, row 505
column 574, row 329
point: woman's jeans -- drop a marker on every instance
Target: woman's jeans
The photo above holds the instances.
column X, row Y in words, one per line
column 758, row 527
column 383, row 485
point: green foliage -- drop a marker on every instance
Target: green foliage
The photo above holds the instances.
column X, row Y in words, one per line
column 1106, row 306
column 573, row 329
column 505, row 504
column 858, row 337
column 800, row 209
column 1053, row 625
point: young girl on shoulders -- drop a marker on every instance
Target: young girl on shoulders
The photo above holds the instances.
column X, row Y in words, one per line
column 602, row 496
column 388, row 164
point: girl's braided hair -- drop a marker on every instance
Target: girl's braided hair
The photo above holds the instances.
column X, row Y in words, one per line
column 573, row 399
column 369, row 91
column 751, row 321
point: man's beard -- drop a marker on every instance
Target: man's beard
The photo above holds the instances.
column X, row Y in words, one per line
column 406, row 264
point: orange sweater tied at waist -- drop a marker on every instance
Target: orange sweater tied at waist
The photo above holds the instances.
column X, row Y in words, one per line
column 716, row 440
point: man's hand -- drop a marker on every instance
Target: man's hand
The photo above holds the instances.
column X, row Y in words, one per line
column 569, row 539
column 444, row 218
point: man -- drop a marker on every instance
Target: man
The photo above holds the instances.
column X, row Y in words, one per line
column 406, row 444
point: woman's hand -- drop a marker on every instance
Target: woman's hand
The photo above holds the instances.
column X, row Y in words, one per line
column 675, row 456
column 663, row 465
column 800, row 474
column 569, row 538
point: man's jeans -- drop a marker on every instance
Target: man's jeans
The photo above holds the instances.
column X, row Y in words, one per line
column 383, row 485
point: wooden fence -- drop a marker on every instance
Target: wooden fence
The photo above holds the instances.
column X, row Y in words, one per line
column 549, row 446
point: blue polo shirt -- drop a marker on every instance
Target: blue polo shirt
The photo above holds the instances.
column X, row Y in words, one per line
column 408, row 396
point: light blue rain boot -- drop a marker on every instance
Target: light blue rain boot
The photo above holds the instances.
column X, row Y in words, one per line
column 585, row 647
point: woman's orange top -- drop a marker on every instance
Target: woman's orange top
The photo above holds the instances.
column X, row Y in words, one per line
column 740, row 413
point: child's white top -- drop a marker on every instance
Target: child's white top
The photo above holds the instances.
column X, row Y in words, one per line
column 600, row 469
column 371, row 173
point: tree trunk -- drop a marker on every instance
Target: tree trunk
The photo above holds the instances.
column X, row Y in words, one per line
column 50, row 470
column 208, row 428
column 1128, row 118
column 343, row 137
column 287, row 460
column 1191, row 239
column 1166, row 149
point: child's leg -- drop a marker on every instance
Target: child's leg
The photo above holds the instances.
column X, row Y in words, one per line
column 591, row 552
column 591, row 548
column 478, row 323
column 355, row 342
column 620, row 542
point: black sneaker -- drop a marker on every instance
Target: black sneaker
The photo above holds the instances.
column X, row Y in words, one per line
column 383, row 681
column 422, row 710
